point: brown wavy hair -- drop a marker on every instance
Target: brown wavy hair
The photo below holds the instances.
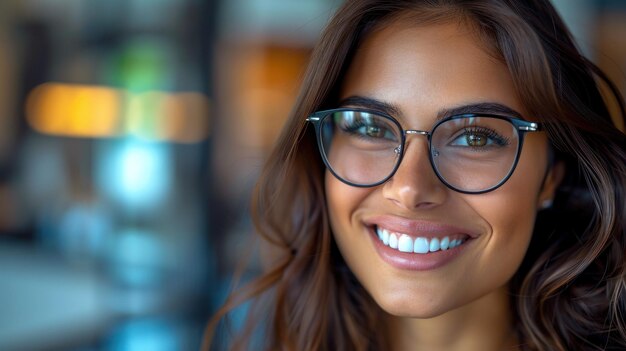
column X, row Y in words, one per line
column 568, row 294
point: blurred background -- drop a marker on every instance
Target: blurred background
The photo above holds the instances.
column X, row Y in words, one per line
column 131, row 134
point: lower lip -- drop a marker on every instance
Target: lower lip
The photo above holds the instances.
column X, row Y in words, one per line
column 414, row 261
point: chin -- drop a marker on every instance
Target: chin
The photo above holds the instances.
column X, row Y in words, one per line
column 401, row 305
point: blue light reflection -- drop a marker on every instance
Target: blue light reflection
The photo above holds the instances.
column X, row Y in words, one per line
column 146, row 334
column 135, row 173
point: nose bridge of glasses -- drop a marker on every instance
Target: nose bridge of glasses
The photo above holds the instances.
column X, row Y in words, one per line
column 417, row 132
column 425, row 133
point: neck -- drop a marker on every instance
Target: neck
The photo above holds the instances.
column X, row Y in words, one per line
column 482, row 325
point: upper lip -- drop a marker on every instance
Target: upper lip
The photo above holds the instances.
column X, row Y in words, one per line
column 419, row 228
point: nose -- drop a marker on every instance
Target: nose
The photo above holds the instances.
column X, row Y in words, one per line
column 415, row 184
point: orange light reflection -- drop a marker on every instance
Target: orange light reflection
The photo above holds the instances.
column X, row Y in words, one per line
column 98, row 112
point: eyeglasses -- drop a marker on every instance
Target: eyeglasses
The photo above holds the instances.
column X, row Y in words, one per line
column 470, row 153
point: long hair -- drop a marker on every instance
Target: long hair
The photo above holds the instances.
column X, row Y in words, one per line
column 568, row 294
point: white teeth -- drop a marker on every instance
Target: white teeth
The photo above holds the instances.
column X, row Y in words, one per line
column 393, row 241
column 445, row 243
column 405, row 244
column 385, row 237
column 420, row 245
column 434, row 244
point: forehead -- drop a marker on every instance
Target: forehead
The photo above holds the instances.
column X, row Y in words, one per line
column 426, row 67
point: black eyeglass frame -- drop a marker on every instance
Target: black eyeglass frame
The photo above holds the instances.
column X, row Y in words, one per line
column 522, row 126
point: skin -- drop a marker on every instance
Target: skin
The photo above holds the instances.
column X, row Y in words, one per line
column 463, row 305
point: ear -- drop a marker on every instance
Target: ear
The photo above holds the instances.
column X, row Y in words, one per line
column 550, row 183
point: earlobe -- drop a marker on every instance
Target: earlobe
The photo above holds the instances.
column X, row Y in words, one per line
column 550, row 184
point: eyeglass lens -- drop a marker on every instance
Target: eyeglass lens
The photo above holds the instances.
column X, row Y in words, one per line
column 470, row 154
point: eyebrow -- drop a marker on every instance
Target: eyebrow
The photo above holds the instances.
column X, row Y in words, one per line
column 371, row 104
column 393, row 110
column 480, row 107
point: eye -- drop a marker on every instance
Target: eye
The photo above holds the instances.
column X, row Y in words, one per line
column 476, row 139
column 375, row 131
column 479, row 137
column 369, row 130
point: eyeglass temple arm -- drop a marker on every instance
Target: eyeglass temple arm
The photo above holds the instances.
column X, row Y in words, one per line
column 529, row 127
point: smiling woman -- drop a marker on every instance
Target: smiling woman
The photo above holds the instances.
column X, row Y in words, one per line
column 450, row 179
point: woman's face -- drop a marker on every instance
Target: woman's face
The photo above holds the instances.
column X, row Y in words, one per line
column 423, row 71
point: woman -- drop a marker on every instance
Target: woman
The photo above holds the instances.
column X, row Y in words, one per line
column 450, row 179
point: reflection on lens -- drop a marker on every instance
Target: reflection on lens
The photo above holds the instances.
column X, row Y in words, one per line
column 475, row 153
column 359, row 146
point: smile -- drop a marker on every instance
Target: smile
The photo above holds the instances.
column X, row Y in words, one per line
column 419, row 245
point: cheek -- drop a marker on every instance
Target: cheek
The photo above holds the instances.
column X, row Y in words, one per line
column 511, row 222
column 511, row 208
column 510, row 212
column 342, row 201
